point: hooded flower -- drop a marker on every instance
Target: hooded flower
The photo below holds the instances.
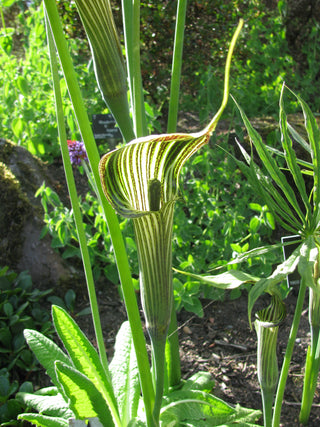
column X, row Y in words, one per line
column 140, row 181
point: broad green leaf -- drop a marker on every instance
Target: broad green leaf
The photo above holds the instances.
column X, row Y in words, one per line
column 47, row 352
column 199, row 381
column 196, row 408
column 85, row 399
column 43, row 420
column 84, row 356
column 18, row 125
column 53, row 406
column 23, row 85
column 125, row 375
column 229, row 280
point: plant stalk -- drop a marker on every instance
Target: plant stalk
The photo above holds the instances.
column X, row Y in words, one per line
column 267, row 403
column 131, row 20
column 176, row 66
column 288, row 354
column 172, row 351
column 158, row 358
column 312, row 359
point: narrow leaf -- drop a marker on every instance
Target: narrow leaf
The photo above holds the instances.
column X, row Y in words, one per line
column 269, row 163
column 291, row 158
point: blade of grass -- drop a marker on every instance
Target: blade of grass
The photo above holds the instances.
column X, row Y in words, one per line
column 176, row 66
column 131, row 20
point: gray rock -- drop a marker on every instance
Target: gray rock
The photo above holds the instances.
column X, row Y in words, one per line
column 21, row 174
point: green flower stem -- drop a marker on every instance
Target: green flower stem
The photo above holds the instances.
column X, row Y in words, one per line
column 312, row 360
column 176, row 66
column 111, row 218
column 267, row 403
column 288, row 354
column 172, row 351
column 310, row 383
column 78, row 221
column 131, row 21
column 158, row 358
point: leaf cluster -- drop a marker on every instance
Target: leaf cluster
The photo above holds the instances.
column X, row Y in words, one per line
column 20, row 306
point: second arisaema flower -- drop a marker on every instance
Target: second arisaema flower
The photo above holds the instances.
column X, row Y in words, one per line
column 140, row 180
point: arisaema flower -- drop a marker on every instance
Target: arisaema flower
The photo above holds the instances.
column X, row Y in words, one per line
column 140, row 180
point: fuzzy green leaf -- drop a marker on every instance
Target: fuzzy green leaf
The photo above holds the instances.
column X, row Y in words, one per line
column 43, row 420
column 125, row 375
column 53, row 406
column 47, row 352
column 199, row 381
column 84, row 356
column 84, row 398
column 196, row 408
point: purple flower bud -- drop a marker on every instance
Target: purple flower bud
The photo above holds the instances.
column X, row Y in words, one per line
column 77, row 152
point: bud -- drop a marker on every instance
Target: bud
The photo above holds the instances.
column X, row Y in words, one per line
column 267, row 325
column 110, row 70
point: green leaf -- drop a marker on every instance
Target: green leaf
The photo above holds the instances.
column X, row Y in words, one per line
column 273, row 170
column 280, row 273
column 83, row 355
column 47, row 352
column 125, row 375
column 291, row 158
column 229, row 280
column 18, row 125
column 53, row 406
column 199, row 381
column 22, row 85
column 196, row 408
column 85, row 399
column 43, row 420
